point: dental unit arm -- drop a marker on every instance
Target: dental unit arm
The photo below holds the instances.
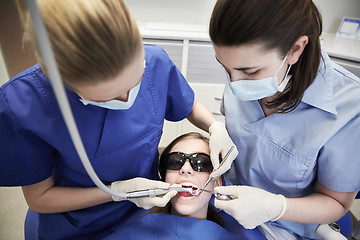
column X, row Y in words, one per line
column 154, row 192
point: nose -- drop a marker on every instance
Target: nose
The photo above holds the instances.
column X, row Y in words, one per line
column 186, row 168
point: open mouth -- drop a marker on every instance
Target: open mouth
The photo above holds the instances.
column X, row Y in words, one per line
column 193, row 190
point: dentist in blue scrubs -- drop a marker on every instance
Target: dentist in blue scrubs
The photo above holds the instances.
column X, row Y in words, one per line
column 120, row 92
column 293, row 114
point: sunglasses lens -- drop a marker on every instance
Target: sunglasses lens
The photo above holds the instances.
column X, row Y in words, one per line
column 174, row 161
column 201, row 162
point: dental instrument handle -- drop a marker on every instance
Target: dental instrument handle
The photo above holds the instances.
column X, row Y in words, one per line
column 153, row 192
column 146, row 193
column 226, row 156
column 207, row 182
column 221, row 196
column 59, row 91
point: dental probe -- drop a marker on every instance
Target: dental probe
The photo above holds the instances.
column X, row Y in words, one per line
column 220, row 196
column 210, row 178
column 154, row 192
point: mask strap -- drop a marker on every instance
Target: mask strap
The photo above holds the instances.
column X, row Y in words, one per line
column 282, row 64
column 287, row 78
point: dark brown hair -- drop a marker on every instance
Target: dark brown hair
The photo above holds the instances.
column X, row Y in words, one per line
column 277, row 24
column 212, row 213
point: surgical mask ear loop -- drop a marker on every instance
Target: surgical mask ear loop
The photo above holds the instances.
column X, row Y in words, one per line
column 285, row 80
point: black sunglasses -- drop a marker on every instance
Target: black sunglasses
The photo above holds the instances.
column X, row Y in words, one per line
column 200, row 162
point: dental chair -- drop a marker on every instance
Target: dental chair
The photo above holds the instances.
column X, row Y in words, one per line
column 345, row 223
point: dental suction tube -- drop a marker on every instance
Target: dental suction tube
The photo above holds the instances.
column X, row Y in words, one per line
column 58, row 87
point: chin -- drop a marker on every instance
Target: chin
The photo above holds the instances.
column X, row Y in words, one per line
column 190, row 208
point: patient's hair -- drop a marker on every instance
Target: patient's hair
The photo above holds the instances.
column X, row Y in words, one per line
column 212, row 213
column 92, row 40
column 162, row 163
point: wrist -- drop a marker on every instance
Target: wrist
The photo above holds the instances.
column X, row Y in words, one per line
column 213, row 125
column 283, row 202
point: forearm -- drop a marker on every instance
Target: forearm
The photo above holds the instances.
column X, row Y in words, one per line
column 323, row 206
column 201, row 117
column 62, row 199
column 314, row 209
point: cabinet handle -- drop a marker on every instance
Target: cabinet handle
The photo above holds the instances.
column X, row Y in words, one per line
column 218, row 99
column 217, row 114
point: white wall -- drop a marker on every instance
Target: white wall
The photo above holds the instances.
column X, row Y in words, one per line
column 172, row 11
column 199, row 11
column 3, row 72
column 334, row 10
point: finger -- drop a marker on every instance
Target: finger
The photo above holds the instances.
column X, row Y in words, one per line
column 162, row 201
column 224, row 205
column 154, row 184
column 176, row 185
column 227, row 190
column 233, row 154
column 214, row 156
column 223, row 169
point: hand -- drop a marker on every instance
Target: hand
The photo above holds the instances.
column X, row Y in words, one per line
column 253, row 206
column 143, row 184
column 220, row 142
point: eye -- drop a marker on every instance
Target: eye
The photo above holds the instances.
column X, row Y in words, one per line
column 251, row 73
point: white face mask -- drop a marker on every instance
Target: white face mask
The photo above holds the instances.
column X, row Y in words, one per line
column 249, row 90
column 117, row 104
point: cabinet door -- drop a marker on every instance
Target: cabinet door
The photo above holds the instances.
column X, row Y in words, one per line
column 210, row 95
column 202, row 64
column 351, row 66
column 174, row 48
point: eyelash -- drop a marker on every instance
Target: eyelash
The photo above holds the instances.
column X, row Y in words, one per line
column 252, row 73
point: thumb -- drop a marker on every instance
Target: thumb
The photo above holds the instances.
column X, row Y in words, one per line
column 214, row 156
column 162, row 201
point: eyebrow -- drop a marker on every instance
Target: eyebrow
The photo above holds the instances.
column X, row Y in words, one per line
column 239, row 69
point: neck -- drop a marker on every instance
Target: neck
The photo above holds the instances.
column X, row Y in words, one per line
column 201, row 214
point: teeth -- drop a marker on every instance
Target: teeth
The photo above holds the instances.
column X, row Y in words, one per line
column 194, row 190
column 189, row 185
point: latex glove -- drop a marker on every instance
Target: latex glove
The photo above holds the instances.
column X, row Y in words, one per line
column 220, row 142
column 253, row 206
column 143, row 184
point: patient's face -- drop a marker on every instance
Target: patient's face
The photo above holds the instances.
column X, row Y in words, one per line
column 185, row 204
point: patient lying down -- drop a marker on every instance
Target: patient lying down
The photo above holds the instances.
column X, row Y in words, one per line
column 186, row 162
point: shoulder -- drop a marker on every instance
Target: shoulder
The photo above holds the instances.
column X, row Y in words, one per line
column 157, row 54
column 27, row 92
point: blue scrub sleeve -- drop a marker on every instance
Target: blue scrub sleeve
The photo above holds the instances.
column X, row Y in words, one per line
column 24, row 157
column 338, row 163
column 180, row 98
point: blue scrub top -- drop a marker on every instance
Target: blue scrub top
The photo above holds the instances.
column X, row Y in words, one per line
column 162, row 226
column 121, row 144
column 286, row 153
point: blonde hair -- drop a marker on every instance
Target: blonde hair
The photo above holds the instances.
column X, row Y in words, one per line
column 92, row 40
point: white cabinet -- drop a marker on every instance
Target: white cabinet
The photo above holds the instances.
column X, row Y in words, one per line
column 210, row 96
column 196, row 60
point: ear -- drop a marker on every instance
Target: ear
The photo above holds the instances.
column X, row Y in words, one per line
column 297, row 49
